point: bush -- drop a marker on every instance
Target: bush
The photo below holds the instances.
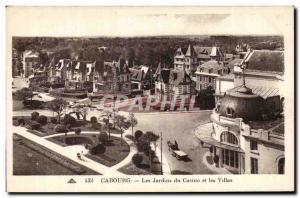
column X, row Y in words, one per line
column 137, row 159
column 34, row 115
column 42, row 120
column 77, row 131
column 54, row 120
column 103, row 137
column 138, row 134
column 35, row 125
column 99, row 149
column 15, row 123
column 94, row 119
column 21, row 121
column 60, row 128
column 69, row 120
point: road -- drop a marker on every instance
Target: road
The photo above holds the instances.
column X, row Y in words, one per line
column 179, row 127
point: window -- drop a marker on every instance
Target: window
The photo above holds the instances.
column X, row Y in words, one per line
column 230, row 158
column 253, row 145
column 229, row 111
column 210, row 71
column 209, row 79
column 229, row 138
column 281, row 166
column 254, row 165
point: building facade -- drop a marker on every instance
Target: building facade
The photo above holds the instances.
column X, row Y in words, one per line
column 246, row 133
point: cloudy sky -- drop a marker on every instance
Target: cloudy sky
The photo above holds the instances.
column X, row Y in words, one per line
column 112, row 21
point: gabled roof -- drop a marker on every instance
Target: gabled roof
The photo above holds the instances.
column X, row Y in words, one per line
column 30, row 54
column 139, row 73
column 265, row 60
column 122, row 67
column 216, row 51
column 202, row 50
column 62, row 63
column 174, row 77
column 82, row 65
column 190, row 51
column 178, row 77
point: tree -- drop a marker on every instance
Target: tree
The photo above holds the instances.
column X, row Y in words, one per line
column 107, row 115
column 98, row 149
column 152, row 137
column 122, row 124
column 132, row 122
column 57, row 106
column 34, row 115
column 69, row 121
column 77, row 131
column 138, row 134
column 94, row 121
column 42, row 120
column 24, row 94
column 103, row 137
column 137, row 159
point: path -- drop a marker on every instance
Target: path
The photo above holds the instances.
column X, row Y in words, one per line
column 69, row 152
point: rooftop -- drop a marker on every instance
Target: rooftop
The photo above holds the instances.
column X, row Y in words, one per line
column 265, row 60
column 275, row 125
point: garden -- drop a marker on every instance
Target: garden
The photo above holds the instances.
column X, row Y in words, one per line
column 106, row 150
column 30, row 158
column 145, row 161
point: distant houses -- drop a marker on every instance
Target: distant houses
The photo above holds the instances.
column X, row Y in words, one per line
column 29, row 60
column 173, row 85
column 193, row 56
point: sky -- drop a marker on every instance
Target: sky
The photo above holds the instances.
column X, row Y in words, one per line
column 142, row 21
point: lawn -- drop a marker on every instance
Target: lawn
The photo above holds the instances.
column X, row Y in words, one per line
column 28, row 161
column 114, row 152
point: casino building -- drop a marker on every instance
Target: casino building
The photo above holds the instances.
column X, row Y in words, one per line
column 246, row 132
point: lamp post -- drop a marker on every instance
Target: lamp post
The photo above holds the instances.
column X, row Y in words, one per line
column 161, row 153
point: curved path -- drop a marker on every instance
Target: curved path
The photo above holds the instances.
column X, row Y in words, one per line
column 88, row 162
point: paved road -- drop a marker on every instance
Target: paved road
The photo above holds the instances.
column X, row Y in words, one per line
column 179, row 127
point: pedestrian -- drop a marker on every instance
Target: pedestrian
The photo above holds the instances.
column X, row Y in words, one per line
column 79, row 156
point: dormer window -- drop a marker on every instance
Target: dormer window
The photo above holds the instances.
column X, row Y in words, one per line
column 210, row 71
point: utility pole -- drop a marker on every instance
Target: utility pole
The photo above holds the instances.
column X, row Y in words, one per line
column 161, row 153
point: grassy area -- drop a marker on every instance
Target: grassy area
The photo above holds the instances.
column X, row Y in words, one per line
column 28, row 161
column 48, row 129
column 144, row 168
column 114, row 153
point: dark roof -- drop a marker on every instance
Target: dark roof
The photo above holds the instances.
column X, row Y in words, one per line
column 212, row 64
column 265, row 60
column 202, row 50
column 179, row 77
column 243, row 103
